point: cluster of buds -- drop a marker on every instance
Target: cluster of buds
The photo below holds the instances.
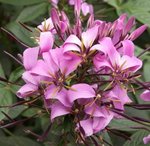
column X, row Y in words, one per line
column 84, row 72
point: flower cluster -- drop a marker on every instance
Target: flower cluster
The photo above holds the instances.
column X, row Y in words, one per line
column 85, row 72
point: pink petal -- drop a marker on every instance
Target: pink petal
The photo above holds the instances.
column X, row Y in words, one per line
column 54, row 92
column 119, row 97
column 101, row 122
column 128, row 48
column 58, row 109
column 30, row 57
column 82, row 90
column 87, row 126
column 70, row 47
column 46, row 41
column 109, row 49
column 66, row 64
column 134, row 66
column 41, row 69
column 48, row 25
column 50, row 61
column 100, row 61
column 26, row 90
column 94, row 110
column 145, row 95
column 29, row 78
column 89, row 36
column 73, row 39
column 86, row 8
column 146, row 139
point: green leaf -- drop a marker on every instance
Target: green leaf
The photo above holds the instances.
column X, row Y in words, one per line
column 6, row 98
column 21, row 33
column 32, row 12
column 2, row 74
column 18, row 141
column 106, row 137
column 22, row 2
column 16, row 74
column 137, row 139
column 123, row 124
column 16, row 111
column 147, row 70
column 30, row 112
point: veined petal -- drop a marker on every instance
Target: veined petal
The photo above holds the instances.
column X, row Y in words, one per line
column 89, row 36
column 66, row 64
column 30, row 57
column 54, row 92
column 87, row 126
column 125, row 62
column 108, row 48
column 128, row 48
column 41, row 69
column 58, row 109
column 29, row 78
column 82, row 90
column 99, row 123
column 50, row 61
column 73, row 39
column 70, row 47
column 119, row 97
column 94, row 110
column 100, row 61
column 46, row 41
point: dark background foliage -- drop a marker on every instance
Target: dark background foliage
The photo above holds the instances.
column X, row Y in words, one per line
column 31, row 13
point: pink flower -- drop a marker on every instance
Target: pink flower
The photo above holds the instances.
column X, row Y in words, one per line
column 76, row 92
column 111, row 59
column 56, row 68
column 145, row 95
column 96, row 124
column 30, row 57
column 118, row 95
column 46, row 25
column 84, row 46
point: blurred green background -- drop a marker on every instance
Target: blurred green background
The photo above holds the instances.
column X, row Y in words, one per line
column 32, row 13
